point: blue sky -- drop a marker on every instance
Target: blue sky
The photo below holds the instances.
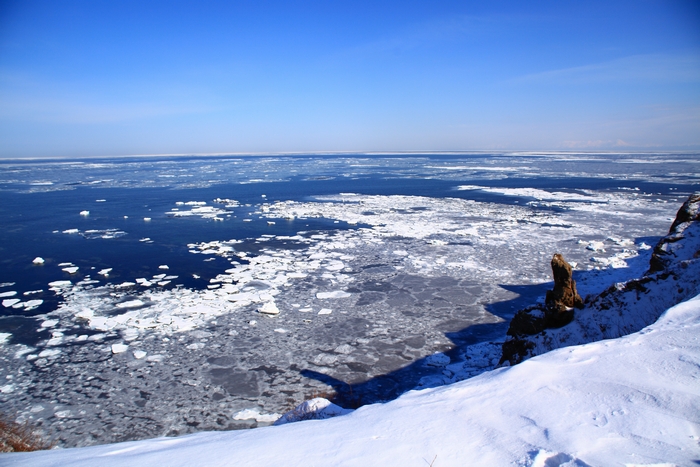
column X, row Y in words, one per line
column 149, row 77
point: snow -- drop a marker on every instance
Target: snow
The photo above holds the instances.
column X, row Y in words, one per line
column 423, row 273
column 374, row 302
column 317, row 408
column 626, row 401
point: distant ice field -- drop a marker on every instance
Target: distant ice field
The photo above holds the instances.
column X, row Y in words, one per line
column 159, row 296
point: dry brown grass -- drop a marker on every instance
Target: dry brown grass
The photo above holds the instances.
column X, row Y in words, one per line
column 19, row 437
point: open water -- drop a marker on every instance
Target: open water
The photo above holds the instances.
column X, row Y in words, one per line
column 388, row 273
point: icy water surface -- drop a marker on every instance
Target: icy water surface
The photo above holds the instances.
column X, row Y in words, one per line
column 189, row 294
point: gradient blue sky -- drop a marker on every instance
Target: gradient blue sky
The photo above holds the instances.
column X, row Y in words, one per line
column 82, row 78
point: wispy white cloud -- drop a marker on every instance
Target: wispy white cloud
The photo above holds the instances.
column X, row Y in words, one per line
column 597, row 144
column 636, row 68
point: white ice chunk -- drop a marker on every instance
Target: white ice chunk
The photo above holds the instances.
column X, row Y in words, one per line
column 105, row 272
column 60, row 284
column 596, row 246
column 333, row 294
column 269, row 308
column 32, row 304
column 325, row 311
column 38, row 260
column 147, row 219
column 8, row 294
column 71, row 270
column 8, row 302
column 163, row 266
column 139, row 354
column 131, row 304
column 335, row 265
column 296, row 275
column 119, row 348
column 85, row 213
column 254, row 414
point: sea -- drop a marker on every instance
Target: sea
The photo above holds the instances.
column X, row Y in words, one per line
column 163, row 295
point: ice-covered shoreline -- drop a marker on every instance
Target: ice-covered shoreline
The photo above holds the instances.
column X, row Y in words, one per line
column 379, row 276
column 399, row 297
column 594, row 404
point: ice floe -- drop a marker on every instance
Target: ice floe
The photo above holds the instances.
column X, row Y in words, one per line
column 119, row 348
column 404, row 276
column 269, row 308
column 333, row 294
column 254, row 414
column 200, row 209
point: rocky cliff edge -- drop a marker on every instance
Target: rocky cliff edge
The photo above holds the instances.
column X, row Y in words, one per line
column 623, row 308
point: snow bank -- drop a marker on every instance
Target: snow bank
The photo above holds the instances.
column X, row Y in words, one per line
column 628, row 401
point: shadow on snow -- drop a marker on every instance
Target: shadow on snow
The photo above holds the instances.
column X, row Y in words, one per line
column 391, row 385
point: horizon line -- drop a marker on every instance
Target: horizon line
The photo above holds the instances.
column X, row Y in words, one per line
column 363, row 153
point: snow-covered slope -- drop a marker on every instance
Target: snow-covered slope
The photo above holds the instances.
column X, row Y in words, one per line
column 629, row 401
column 625, row 307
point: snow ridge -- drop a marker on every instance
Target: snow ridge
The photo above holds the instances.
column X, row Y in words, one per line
column 631, row 401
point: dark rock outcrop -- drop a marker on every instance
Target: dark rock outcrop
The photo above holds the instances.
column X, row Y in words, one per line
column 558, row 309
column 663, row 254
column 623, row 308
column 563, row 298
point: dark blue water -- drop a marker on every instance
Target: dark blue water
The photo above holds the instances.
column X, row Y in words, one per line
column 32, row 222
